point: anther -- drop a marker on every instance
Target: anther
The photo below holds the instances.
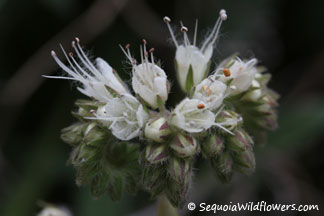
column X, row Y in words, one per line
column 144, row 41
column 134, row 61
column 70, row 54
column 53, row 53
column 92, row 111
column 184, row 29
column 223, row 15
column 227, row 72
column 200, row 106
column 146, row 53
column 77, row 39
column 151, row 50
column 166, row 19
column 127, row 46
column 204, row 87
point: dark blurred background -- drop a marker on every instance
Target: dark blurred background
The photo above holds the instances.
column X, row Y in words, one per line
column 286, row 36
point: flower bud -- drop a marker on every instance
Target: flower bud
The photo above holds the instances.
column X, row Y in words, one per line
column 156, row 153
column 94, row 135
column 241, row 141
column 73, row 134
column 229, row 119
column 213, row 145
column 255, row 93
column 245, row 161
column 223, row 166
column 157, row 129
column 179, row 170
column 154, row 179
column 184, row 145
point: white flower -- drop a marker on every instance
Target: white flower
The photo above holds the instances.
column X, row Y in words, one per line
column 241, row 72
column 211, row 92
column 126, row 115
column 192, row 116
column 94, row 79
column 188, row 54
column 255, row 94
column 54, row 211
column 149, row 80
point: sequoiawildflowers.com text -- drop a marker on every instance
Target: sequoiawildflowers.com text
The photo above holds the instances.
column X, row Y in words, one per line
column 252, row 206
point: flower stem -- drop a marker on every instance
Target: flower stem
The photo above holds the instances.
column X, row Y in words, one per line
column 165, row 208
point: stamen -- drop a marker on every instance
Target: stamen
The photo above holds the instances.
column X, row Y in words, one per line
column 144, row 49
column 126, row 54
column 204, row 87
column 84, row 59
column 185, row 36
column 167, row 20
column 127, row 46
column 90, row 65
column 64, row 67
column 214, row 34
column 152, row 57
column 227, row 72
column 195, row 34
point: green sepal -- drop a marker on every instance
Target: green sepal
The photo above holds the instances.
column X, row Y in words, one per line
column 112, row 91
column 159, row 101
column 189, row 79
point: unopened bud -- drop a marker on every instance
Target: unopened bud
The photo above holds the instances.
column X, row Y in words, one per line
column 157, row 130
column 94, row 135
column 255, row 93
column 229, row 119
column 184, row 145
column 156, row 153
column 179, row 169
column 223, row 166
column 153, row 179
column 241, row 141
column 245, row 161
column 73, row 134
column 213, row 145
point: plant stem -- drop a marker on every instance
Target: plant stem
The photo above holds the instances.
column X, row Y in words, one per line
column 165, row 208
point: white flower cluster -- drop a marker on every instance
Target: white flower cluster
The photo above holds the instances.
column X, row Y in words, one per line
column 129, row 116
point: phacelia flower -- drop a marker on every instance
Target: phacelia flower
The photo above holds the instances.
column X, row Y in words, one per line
column 192, row 116
column 149, row 80
column 189, row 57
column 96, row 80
column 241, row 72
column 54, row 211
column 126, row 115
column 211, row 92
